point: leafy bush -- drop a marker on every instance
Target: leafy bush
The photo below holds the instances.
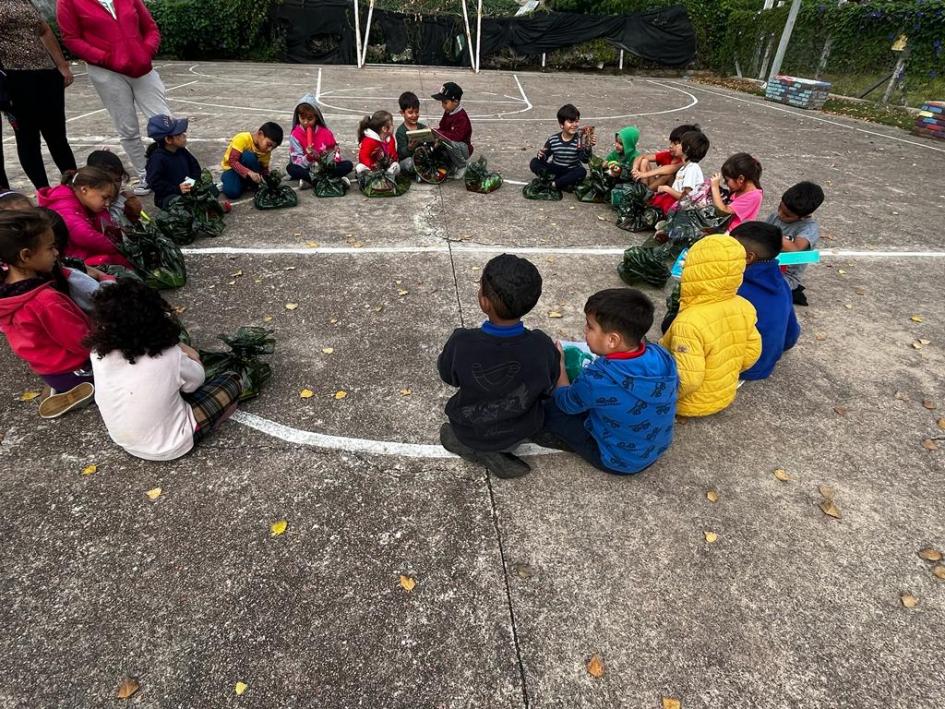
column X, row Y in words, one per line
column 217, row 29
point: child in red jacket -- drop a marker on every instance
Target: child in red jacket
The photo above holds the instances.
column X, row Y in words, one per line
column 44, row 327
column 376, row 144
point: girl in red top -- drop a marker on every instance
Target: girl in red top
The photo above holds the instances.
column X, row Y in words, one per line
column 376, row 140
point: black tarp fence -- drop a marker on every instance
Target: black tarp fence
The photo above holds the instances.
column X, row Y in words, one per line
column 322, row 31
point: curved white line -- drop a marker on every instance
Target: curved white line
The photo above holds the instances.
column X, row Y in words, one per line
column 357, row 445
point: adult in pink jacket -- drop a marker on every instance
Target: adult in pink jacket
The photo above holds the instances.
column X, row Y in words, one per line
column 118, row 39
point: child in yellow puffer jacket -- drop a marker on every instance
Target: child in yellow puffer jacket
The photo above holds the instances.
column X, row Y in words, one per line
column 714, row 337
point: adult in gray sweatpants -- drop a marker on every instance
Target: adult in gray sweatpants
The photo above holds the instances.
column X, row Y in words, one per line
column 118, row 39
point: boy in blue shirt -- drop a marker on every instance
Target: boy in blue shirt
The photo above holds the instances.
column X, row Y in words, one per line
column 801, row 233
column 504, row 371
column 765, row 287
column 618, row 415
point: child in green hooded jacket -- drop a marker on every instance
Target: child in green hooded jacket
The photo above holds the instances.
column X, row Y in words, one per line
column 620, row 159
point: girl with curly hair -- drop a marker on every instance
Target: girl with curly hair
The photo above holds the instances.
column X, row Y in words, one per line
column 152, row 392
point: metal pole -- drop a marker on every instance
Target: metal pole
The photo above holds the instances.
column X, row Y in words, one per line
column 543, row 57
column 620, row 63
column 357, row 34
column 478, row 33
column 785, row 39
column 764, row 61
column 367, row 33
column 472, row 58
column 896, row 75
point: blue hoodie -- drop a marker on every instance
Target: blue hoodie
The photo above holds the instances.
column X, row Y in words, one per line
column 764, row 287
column 630, row 405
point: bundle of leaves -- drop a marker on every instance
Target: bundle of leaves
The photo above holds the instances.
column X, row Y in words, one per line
column 378, row 183
column 479, row 179
column 324, row 181
column 634, row 211
column 273, row 194
column 432, row 163
column 247, row 346
column 541, row 188
column 118, row 271
column 684, row 227
column 193, row 215
column 645, row 265
column 672, row 303
column 597, row 185
column 156, row 259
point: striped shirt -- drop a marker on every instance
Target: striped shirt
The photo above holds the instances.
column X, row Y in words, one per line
column 564, row 153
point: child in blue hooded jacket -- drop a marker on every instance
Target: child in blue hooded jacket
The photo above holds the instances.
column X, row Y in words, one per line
column 619, row 413
column 766, row 288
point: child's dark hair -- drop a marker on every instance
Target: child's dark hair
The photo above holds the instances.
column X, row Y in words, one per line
column 131, row 317
column 512, row 284
column 375, row 122
column 761, row 238
column 408, row 99
column 59, row 229
column 109, row 162
column 20, row 229
column 14, row 200
column 695, row 145
column 568, row 112
column 626, row 311
column 803, row 199
column 308, row 111
column 742, row 165
column 92, row 177
column 678, row 132
column 273, row 131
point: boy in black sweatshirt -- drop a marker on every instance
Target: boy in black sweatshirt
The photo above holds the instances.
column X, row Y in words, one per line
column 504, row 371
column 171, row 169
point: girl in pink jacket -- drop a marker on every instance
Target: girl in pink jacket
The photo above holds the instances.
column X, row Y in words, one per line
column 309, row 140
column 82, row 201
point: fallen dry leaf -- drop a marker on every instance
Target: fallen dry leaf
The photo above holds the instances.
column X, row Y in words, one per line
column 820, row 336
column 829, row 508
column 236, row 274
column 781, row 474
column 840, row 410
column 938, row 571
column 277, row 529
column 826, row 491
column 154, row 493
column 595, row 667
column 848, row 306
column 407, row 583
column 930, row 554
column 267, row 318
column 841, row 271
column 127, row 688
column 916, row 318
column 239, row 688
column 555, row 314
column 311, row 244
column 341, row 394
column 671, row 703
column 327, row 350
column 930, row 445
column 523, row 571
column 291, row 306
column 711, row 537
column 89, row 469
column 712, row 495
column 29, row 395
column 920, row 343
column 402, row 292
column 406, row 392
column 941, row 424
column 929, row 404
column 908, row 600
column 306, row 394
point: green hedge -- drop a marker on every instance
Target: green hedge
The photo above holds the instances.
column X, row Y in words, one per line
column 216, row 29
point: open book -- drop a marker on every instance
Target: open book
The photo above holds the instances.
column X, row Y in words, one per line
column 421, row 135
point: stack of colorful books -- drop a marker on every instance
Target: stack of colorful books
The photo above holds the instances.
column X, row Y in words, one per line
column 803, row 93
column 930, row 122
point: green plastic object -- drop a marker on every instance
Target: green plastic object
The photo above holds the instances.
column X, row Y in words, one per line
column 247, row 347
column 324, row 182
column 642, row 264
column 273, row 194
column 575, row 359
column 597, row 186
column 156, row 259
column 193, row 215
column 634, row 212
column 479, row 179
column 542, row 189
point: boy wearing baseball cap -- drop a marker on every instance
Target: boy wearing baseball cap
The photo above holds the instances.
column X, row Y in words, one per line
column 455, row 130
column 171, row 169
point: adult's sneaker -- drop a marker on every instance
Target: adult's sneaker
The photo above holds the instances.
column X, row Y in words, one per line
column 56, row 405
column 141, row 189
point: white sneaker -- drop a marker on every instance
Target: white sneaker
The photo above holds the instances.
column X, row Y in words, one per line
column 141, row 189
column 303, row 185
column 346, row 181
column 57, row 404
column 459, row 174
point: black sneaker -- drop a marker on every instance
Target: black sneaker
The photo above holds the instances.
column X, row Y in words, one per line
column 798, row 296
column 546, row 439
column 502, row 465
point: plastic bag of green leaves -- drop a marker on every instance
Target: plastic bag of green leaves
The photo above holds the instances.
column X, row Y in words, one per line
column 273, row 194
column 672, row 306
column 634, row 212
column 380, row 183
column 541, row 188
column 176, row 223
column 645, row 265
column 479, row 179
column 246, row 348
column 156, row 258
column 325, row 183
column 684, row 227
column 596, row 187
column 203, row 205
column 119, row 271
column 432, row 163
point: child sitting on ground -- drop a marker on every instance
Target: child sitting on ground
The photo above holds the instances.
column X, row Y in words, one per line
column 714, row 337
column 503, row 370
column 563, row 153
column 171, row 169
column 659, row 168
column 126, row 208
column 410, row 110
column 150, row 388
column 376, row 144
column 309, row 140
column 82, row 200
column 689, row 178
column 801, row 232
column 44, row 327
column 455, row 129
column 621, row 159
column 618, row 414
column 742, row 175
column 246, row 160
column 765, row 288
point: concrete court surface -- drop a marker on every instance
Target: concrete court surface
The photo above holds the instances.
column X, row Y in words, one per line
column 518, row 583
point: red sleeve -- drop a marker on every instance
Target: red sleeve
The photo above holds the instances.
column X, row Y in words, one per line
column 69, row 29
column 390, row 147
column 663, row 157
column 66, row 324
column 364, row 152
column 234, row 162
column 148, row 28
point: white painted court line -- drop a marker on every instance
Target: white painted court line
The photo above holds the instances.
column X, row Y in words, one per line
column 800, row 113
column 357, row 445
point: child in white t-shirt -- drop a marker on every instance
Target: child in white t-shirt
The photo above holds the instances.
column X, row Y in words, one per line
column 150, row 389
column 689, row 178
